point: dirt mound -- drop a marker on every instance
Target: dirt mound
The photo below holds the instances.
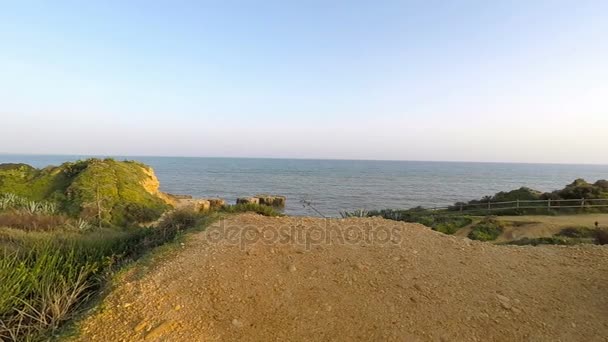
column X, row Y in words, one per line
column 266, row 279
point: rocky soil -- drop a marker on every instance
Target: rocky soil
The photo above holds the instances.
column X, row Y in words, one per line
column 254, row 278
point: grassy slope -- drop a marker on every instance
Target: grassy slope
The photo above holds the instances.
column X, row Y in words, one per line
column 535, row 226
column 76, row 187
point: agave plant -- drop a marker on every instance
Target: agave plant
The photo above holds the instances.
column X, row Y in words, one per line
column 32, row 207
column 48, row 208
column 83, row 225
column 356, row 213
column 4, row 203
column 12, row 201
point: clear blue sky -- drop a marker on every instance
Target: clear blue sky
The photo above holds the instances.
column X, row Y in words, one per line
column 421, row 80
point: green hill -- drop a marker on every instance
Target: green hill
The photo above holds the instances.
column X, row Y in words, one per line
column 117, row 192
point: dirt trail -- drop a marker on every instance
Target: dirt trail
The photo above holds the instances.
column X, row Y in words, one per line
column 369, row 280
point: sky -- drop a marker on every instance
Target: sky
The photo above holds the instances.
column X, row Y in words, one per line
column 506, row 81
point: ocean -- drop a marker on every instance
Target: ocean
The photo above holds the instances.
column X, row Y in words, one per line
column 335, row 185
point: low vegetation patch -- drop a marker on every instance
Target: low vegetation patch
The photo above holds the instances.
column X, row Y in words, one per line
column 47, row 276
column 440, row 221
column 34, row 222
column 250, row 207
column 554, row 240
column 602, row 237
column 579, row 196
column 577, row 232
column 489, row 229
column 568, row 236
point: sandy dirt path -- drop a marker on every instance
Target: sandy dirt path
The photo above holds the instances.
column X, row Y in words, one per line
column 254, row 278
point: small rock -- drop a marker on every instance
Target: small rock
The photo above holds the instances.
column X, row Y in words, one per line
column 236, row 323
column 484, row 315
column 141, row 326
column 502, row 298
column 160, row 330
column 292, row 268
column 361, row 267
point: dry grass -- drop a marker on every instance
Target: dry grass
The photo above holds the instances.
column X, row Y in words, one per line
column 32, row 221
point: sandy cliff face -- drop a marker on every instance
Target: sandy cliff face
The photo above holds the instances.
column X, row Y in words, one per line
column 152, row 185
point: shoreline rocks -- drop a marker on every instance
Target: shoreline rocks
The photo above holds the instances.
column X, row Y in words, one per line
column 276, row 201
column 199, row 204
column 247, row 200
column 272, row 200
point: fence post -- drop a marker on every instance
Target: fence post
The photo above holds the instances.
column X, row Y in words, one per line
column 549, row 203
column 489, row 205
column 461, row 207
column 583, row 203
column 518, row 203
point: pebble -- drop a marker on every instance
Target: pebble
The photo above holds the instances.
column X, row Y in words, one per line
column 292, row 268
column 236, row 323
column 141, row 326
column 160, row 330
column 503, row 298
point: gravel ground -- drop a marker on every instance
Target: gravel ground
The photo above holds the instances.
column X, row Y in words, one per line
column 255, row 278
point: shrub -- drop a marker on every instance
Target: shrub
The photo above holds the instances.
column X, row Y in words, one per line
column 578, row 189
column 356, row 213
column 602, row 236
column 174, row 223
column 251, row 207
column 577, row 232
column 542, row 241
column 444, row 222
column 488, row 229
column 134, row 213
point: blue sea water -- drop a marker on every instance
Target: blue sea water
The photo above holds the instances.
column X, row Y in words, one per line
column 335, row 185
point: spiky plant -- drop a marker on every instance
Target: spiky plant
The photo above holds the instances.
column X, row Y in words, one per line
column 356, row 213
column 83, row 225
column 32, row 207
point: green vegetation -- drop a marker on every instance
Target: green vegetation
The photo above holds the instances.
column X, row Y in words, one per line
column 250, row 207
column 444, row 222
column 47, row 276
column 488, row 229
column 64, row 230
column 355, row 213
column 105, row 191
column 577, row 190
column 568, row 236
column 577, row 232
column 602, row 237
column 553, row 240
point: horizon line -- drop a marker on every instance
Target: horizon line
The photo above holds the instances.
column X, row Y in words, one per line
column 293, row 158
